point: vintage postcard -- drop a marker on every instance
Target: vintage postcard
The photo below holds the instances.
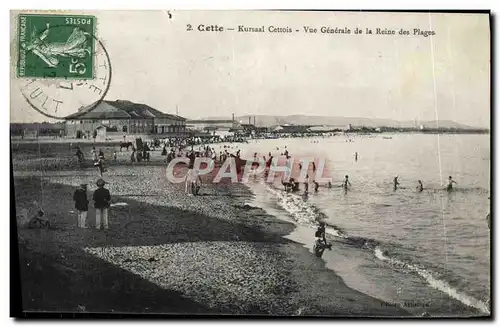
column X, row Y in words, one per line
column 281, row 163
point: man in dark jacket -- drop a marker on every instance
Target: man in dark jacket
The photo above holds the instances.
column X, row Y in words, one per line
column 102, row 200
column 82, row 205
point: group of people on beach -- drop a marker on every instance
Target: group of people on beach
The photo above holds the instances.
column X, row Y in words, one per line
column 102, row 201
column 97, row 159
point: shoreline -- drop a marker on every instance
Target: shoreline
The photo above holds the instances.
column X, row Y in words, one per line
column 274, row 275
column 351, row 263
column 149, row 137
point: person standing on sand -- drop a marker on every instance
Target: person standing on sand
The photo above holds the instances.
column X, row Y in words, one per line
column 80, row 156
column 94, row 154
column 193, row 182
column 356, row 157
column 132, row 156
column 82, row 205
column 100, row 161
column 191, row 175
column 102, row 200
column 306, row 185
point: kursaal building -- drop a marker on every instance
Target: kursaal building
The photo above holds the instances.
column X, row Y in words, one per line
column 122, row 117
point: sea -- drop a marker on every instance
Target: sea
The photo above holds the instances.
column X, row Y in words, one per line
column 428, row 252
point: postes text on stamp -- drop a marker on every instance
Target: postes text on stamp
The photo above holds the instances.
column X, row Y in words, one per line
column 56, row 46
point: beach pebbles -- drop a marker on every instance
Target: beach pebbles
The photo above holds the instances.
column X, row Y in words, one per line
column 241, row 275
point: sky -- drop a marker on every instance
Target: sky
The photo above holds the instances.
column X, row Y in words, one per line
column 156, row 61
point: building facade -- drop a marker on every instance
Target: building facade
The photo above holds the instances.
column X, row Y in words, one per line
column 123, row 118
column 211, row 124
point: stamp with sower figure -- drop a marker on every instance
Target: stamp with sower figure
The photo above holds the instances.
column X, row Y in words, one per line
column 62, row 65
column 56, row 46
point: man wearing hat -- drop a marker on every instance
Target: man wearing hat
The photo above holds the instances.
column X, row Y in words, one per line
column 102, row 200
column 82, row 205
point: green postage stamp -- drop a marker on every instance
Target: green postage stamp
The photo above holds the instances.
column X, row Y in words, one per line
column 56, row 46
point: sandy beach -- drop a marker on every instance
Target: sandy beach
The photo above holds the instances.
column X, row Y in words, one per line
column 166, row 252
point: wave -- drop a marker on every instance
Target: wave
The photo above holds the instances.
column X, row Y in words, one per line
column 307, row 214
column 438, row 284
column 302, row 212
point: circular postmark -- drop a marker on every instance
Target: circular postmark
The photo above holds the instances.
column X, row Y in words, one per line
column 66, row 73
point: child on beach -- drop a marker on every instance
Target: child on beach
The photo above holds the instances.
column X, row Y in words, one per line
column 38, row 221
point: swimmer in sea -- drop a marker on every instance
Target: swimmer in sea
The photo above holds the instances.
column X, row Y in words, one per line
column 450, row 184
column 420, row 186
column 346, row 184
column 396, row 183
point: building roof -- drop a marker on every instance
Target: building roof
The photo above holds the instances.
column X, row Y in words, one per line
column 120, row 109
